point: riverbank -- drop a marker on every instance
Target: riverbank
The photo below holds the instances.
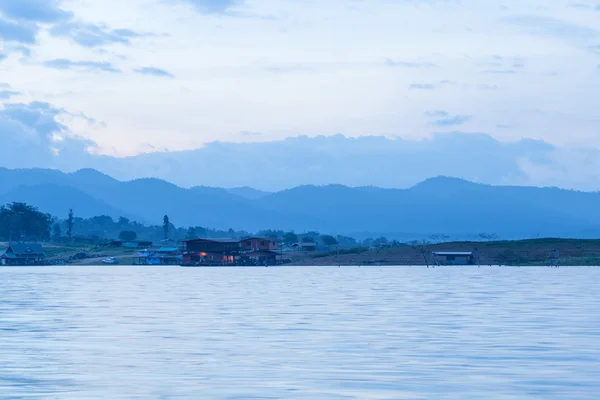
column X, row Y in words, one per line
column 520, row 252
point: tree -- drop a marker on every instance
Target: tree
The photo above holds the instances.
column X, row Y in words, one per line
column 271, row 234
column 127, row 236
column 329, row 240
column 490, row 237
column 56, row 231
column 70, row 225
column 346, row 241
column 380, row 242
column 191, row 233
column 124, row 221
column 367, row 242
column 421, row 246
column 290, row 238
column 308, row 239
column 20, row 221
column 166, row 227
column 439, row 238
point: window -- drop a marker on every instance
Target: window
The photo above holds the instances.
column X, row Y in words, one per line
column 262, row 242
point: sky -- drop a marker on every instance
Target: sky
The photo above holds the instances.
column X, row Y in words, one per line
column 121, row 78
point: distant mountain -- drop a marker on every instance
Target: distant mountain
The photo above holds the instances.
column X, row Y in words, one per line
column 450, row 206
column 57, row 199
column 248, row 193
column 354, row 161
column 13, row 178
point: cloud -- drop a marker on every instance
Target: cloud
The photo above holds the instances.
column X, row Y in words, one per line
column 443, row 118
column 502, row 65
column 409, row 64
column 25, row 51
column 250, row 133
column 64, row 64
column 7, row 94
column 212, row 6
column 583, row 6
column 499, row 71
column 22, row 19
column 548, row 26
column 288, row 69
column 423, row 86
column 436, row 114
column 452, row 121
column 483, row 86
column 154, row 71
column 36, row 137
column 24, row 32
column 44, row 11
column 91, row 35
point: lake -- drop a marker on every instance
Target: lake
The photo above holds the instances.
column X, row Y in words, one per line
column 299, row 333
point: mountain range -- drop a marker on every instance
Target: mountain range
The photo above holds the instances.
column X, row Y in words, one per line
column 442, row 205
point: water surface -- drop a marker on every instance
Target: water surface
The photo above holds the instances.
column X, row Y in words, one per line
column 299, row 333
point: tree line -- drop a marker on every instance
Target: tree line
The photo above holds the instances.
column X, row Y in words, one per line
column 23, row 222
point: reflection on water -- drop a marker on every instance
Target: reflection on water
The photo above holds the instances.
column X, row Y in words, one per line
column 310, row 333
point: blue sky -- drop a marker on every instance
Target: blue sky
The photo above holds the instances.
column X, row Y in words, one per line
column 126, row 77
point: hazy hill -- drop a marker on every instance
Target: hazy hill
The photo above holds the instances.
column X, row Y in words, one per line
column 57, row 199
column 440, row 205
column 248, row 193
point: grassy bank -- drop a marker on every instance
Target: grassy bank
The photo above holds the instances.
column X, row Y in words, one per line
column 530, row 252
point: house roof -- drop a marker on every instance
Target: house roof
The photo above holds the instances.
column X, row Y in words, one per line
column 167, row 249
column 453, row 253
column 213, row 240
column 27, row 249
column 260, row 238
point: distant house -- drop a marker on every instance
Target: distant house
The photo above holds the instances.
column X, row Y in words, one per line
column 308, row 246
column 138, row 244
column 211, row 251
column 455, row 257
column 258, row 243
column 258, row 251
column 162, row 256
column 23, row 254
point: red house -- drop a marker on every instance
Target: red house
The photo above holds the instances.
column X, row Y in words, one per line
column 211, row 251
column 258, row 243
column 246, row 252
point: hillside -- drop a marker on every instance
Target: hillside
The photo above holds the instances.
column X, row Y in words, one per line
column 449, row 206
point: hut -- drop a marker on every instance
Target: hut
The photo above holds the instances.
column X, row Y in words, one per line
column 454, row 257
column 23, row 254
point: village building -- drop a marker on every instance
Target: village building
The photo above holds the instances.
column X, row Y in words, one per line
column 305, row 246
column 23, row 254
column 258, row 251
column 137, row 244
column 455, row 257
column 231, row 252
column 162, row 256
column 211, row 252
